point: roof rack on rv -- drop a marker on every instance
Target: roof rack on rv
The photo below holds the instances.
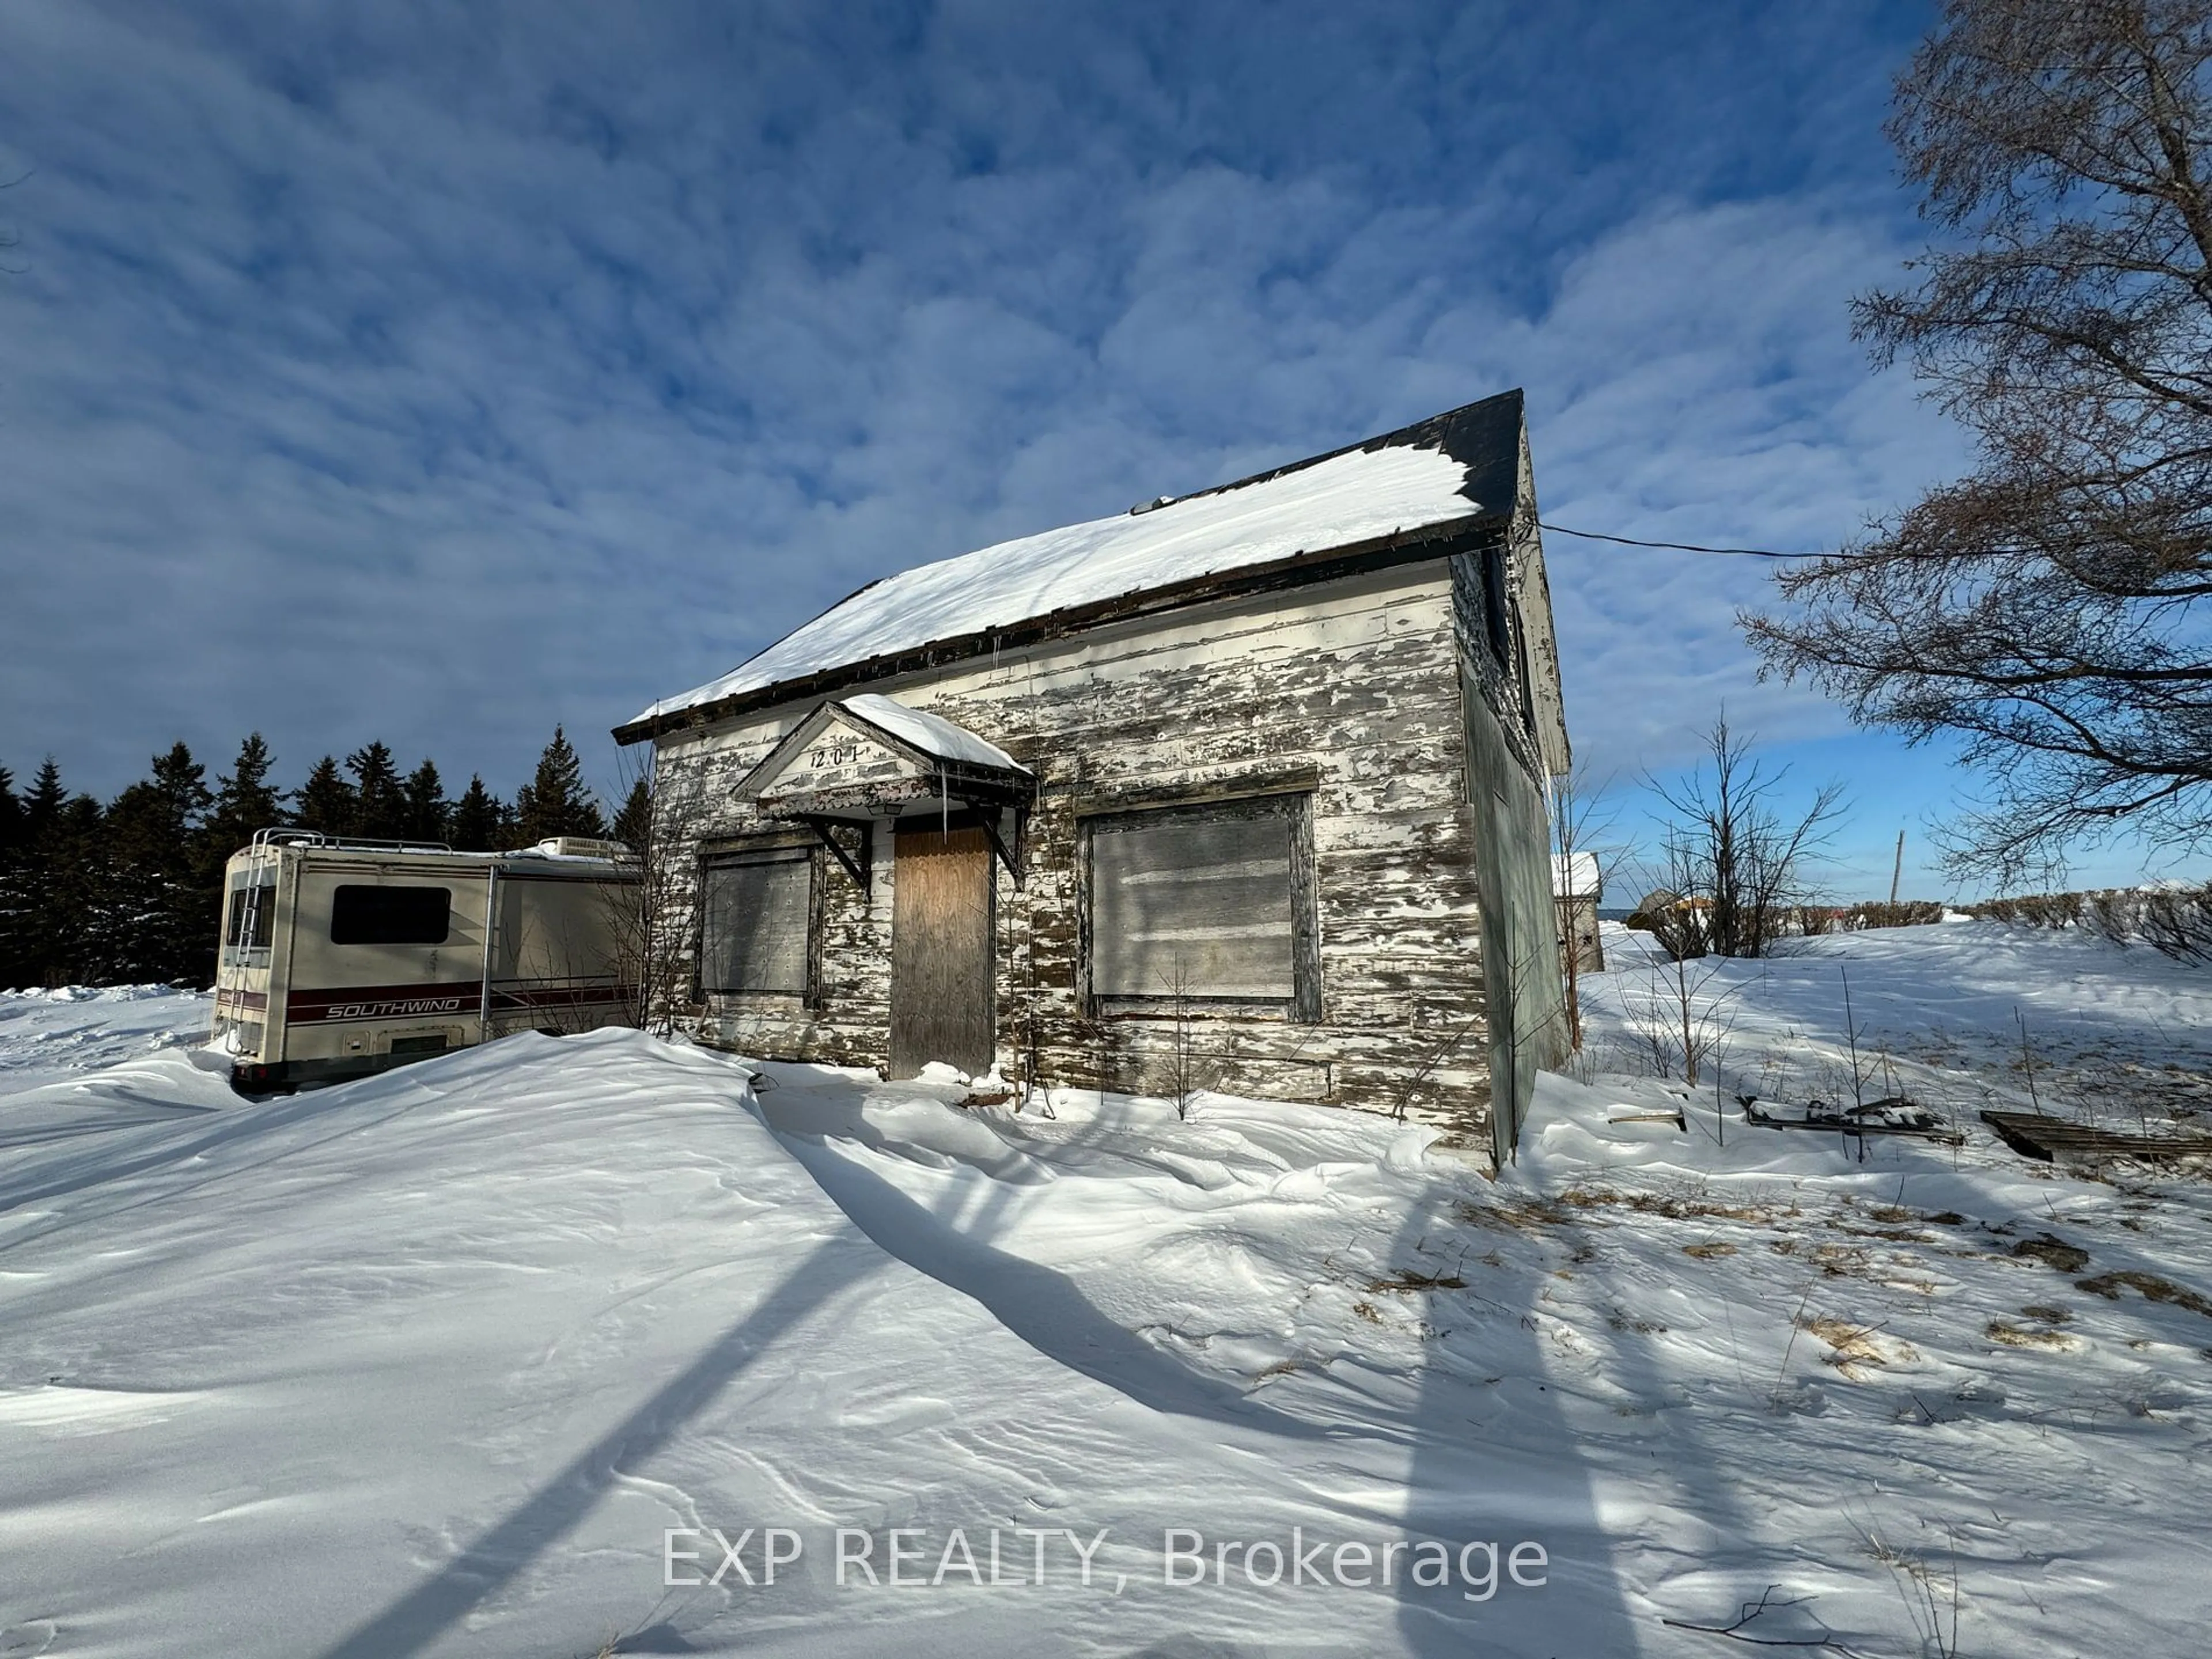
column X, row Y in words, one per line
column 352, row 843
column 576, row 847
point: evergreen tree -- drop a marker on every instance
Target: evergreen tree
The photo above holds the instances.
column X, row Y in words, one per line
column 634, row 823
column 380, row 800
column 554, row 802
column 65, row 869
column 479, row 823
column 42, row 807
column 46, row 896
column 180, row 783
column 151, row 919
column 423, row 806
column 325, row 802
column 244, row 802
column 15, row 897
column 11, row 814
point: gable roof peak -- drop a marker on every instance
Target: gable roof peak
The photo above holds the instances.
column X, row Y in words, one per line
column 1426, row 484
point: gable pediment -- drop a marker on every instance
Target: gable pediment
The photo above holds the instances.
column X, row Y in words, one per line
column 838, row 761
column 831, row 753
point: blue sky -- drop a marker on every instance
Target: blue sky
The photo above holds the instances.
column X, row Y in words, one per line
column 436, row 373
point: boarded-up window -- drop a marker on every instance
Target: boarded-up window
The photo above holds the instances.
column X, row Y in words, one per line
column 1196, row 904
column 759, row 909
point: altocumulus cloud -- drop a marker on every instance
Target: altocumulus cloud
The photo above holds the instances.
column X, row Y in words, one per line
column 437, row 374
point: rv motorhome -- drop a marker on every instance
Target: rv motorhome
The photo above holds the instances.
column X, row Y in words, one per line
column 340, row 958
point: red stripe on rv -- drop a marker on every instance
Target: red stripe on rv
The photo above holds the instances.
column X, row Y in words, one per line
column 383, row 1001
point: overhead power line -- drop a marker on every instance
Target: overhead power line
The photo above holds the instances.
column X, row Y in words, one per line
column 1682, row 547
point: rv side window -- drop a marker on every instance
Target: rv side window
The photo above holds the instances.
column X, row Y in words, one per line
column 261, row 903
column 391, row 915
column 759, row 912
column 1202, row 904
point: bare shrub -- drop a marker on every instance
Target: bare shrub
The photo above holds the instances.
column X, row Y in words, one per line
column 1909, row 913
column 1187, row 1072
column 1682, row 1022
column 1732, row 864
column 2176, row 922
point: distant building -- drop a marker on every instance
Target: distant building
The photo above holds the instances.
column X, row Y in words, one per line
column 1242, row 790
column 1579, row 886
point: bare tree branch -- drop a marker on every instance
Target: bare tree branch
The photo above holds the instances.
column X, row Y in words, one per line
column 2049, row 609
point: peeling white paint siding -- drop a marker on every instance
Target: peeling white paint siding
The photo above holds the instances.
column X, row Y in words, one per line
column 1357, row 683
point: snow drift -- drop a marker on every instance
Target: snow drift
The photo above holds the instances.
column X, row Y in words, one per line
column 477, row 1357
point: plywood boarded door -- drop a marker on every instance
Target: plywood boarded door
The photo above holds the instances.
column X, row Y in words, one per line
column 941, row 992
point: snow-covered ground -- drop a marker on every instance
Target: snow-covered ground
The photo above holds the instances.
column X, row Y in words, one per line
column 49, row 1037
column 1966, row 1015
column 436, row 1363
column 69, row 1060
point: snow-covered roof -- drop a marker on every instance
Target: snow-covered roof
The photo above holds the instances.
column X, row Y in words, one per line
column 930, row 733
column 1450, row 470
column 1575, row 873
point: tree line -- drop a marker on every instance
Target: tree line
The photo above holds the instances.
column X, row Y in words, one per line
column 128, row 892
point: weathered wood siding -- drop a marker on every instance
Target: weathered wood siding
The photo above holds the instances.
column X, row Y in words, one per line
column 1354, row 690
column 1578, row 933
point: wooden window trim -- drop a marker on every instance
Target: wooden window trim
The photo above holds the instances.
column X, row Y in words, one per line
column 1147, row 798
column 780, row 848
column 1303, row 1005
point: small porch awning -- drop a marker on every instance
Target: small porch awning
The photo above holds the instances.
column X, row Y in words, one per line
column 864, row 759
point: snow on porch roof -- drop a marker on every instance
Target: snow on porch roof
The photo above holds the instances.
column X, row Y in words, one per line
column 930, row 733
column 1454, row 468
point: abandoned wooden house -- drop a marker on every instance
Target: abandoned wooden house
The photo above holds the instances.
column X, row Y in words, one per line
column 1241, row 790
